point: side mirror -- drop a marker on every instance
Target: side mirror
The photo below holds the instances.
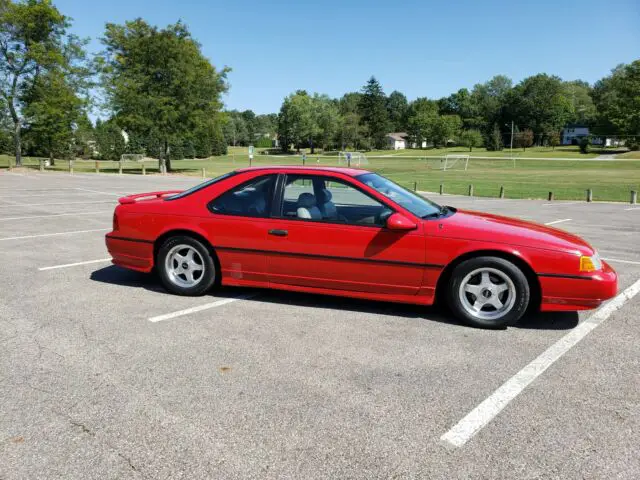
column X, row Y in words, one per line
column 399, row 222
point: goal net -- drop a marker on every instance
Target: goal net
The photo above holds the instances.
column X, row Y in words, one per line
column 457, row 162
column 131, row 157
column 354, row 159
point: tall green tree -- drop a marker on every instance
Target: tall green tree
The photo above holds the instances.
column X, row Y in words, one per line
column 422, row 117
column 397, row 108
column 583, row 110
column 617, row 99
column 53, row 111
column 540, row 103
column 33, row 42
column 159, row 85
column 296, row 120
column 374, row 113
column 446, row 129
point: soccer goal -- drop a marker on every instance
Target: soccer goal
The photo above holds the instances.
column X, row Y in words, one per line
column 353, row 159
column 457, row 162
column 131, row 157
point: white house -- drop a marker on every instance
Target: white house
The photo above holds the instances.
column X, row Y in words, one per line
column 397, row 141
column 573, row 133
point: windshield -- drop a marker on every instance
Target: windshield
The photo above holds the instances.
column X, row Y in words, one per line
column 200, row 186
column 419, row 206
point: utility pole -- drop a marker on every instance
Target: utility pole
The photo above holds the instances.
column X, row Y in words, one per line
column 511, row 138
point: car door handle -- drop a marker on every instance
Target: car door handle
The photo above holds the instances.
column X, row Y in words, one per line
column 279, row 233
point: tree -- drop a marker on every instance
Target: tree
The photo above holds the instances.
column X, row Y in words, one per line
column 524, row 139
column 296, row 120
column 422, row 116
column 326, row 121
column 110, row 144
column 33, row 42
column 554, row 139
column 582, row 106
column 540, row 103
column 159, row 85
column 495, row 139
column 446, row 128
column 617, row 99
column 373, row 111
column 397, row 108
column 53, row 110
column 471, row 138
column 488, row 104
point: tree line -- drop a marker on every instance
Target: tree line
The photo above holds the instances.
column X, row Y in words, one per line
column 535, row 110
column 158, row 95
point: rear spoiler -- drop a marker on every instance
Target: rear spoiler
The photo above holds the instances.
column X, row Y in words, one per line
column 145, row 196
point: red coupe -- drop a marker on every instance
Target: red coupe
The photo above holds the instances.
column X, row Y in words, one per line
column 350, row 232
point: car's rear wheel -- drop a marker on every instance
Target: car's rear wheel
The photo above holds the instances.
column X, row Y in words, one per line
column 488, row 292
column 185, row 266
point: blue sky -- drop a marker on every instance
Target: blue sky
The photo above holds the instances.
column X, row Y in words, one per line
column 421, row 48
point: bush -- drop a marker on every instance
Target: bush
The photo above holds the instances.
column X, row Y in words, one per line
column 633, row 144
column 218, row 143
column 585, row 145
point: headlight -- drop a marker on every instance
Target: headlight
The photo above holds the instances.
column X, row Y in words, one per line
column 590, row 264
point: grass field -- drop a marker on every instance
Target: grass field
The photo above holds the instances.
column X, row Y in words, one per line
column 610, row 180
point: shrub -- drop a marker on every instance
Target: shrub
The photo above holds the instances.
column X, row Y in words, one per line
column 585, row 145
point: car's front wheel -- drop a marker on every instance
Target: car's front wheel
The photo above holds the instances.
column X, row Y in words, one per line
column 185, row 266
column 488, row 292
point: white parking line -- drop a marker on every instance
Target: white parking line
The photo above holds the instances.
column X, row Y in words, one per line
column 73, row 232
column 60, row 203
column 480, row 416
column 559, row 203
column 199, row 308
column 630, row 262
column 67, row 265
column 99, row 192
column 632, row 208
column 558, row 221
column 54, row 215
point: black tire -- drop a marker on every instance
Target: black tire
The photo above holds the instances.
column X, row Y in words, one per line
column 521, row 292
column 209, row 273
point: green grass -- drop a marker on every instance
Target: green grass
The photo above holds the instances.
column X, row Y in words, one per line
column 568, row 179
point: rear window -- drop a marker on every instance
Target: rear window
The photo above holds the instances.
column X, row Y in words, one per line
column 199, row 187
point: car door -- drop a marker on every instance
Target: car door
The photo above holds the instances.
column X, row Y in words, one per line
column 237, row 229
column 329, row 234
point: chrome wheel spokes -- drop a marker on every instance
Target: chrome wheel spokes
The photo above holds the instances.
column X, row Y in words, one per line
column 487, row 293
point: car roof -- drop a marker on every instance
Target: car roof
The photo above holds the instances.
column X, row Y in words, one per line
column 353, row 172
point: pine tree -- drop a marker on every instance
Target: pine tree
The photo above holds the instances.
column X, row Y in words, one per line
column 374, row 112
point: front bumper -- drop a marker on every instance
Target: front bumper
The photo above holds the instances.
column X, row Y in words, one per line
column 132, row 253
column 578, row 293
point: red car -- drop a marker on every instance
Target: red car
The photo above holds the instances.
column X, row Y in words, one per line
column 350, row 232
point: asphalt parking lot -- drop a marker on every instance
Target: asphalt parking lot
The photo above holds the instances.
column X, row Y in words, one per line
column 104, row 375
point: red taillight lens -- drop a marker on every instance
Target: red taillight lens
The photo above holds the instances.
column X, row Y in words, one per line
column 115, row 221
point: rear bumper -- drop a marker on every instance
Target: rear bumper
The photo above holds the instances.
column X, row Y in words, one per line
column 578, row 293
column 132, row 253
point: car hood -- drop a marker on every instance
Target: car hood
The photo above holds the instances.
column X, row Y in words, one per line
column 496, row 228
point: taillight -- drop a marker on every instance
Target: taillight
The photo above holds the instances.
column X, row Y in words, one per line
column 115, row 221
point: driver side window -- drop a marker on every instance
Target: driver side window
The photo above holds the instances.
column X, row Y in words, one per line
column 250, row 199
column 326, row 199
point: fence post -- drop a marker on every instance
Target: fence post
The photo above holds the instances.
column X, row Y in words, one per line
column 71, row 167
column 589, row 195
column 9, row 162
column 441, row 189
column 415, row 186
column 42, row 165
column 203, row 173
column 550, row 198
column 634, row 197
column 120, row 167
column 144, row 169
column 501, row 191
column 471, row 190
column 97, row 166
